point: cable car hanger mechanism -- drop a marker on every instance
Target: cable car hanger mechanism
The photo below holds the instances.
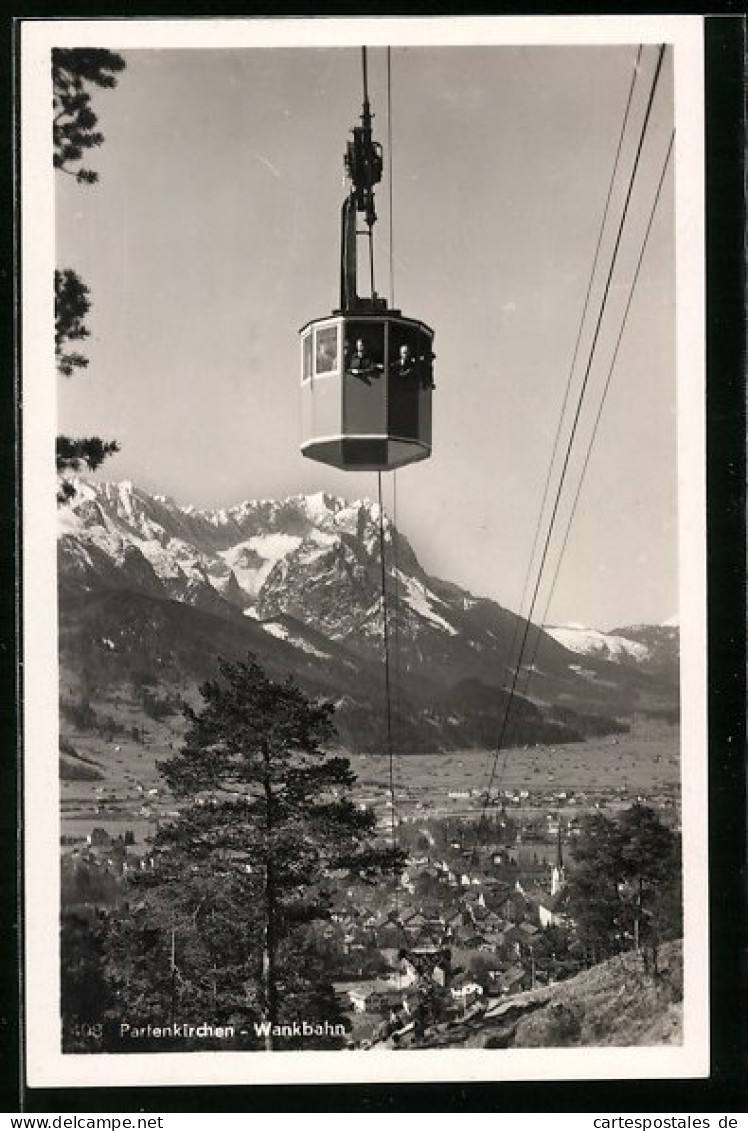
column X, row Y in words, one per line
column 366, row 368
column 364, row 165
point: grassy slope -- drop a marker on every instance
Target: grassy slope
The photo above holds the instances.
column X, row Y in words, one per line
column 613, row 1004
column 616, row 1003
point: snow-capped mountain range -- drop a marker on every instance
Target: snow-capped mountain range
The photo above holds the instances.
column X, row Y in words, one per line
column 299, row 582
column 254, row 558
column 592, row 642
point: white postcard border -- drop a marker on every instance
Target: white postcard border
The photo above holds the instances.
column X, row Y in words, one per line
column 46, row 1065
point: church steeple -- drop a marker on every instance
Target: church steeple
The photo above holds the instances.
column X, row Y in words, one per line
column 557, row 871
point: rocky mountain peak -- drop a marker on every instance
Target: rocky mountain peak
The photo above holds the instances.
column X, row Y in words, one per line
column 232, row 551
column 299, row 582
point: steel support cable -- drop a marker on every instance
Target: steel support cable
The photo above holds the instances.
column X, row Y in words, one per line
column 387, row 681
column 365, row 74
column 397, row 726
column 572, row 435
column 390, row 182
column 389, row 151
column 396, row 620
column 580, row 401
column 603, row 399
column 511, row 663
column 370, row 230
column 572, row 367
column 573, row 431
column 371, row 262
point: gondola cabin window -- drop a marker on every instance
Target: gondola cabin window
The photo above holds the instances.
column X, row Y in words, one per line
column 306, row 357
column 364, row 349
column 326, row 356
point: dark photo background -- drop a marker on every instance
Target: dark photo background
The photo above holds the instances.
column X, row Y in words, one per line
column 726, row 538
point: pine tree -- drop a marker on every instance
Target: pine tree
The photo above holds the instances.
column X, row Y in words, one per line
column 223, row 924
column 74, row 71
column 624, row 887
column 72, row 304
column 594, row 887
column 84, row 994
column 651, row 867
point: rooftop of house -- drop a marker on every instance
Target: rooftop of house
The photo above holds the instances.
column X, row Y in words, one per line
column 463, row 980
column 367, row 986
column 511, row 976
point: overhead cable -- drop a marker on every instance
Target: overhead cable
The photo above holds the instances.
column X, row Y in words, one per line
column 570, row 442
column 512, row 663
column 603, row 397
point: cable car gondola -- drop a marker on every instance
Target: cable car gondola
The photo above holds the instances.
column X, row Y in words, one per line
column 366, row 369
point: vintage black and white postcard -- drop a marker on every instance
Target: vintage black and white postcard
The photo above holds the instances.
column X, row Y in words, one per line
column 364, row 528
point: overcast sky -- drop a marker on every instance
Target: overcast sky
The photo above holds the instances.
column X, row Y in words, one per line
column 213, row 236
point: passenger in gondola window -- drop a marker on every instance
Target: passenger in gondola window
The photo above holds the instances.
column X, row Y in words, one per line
column 405, row 363
column 426, row 369
column 361, row 360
